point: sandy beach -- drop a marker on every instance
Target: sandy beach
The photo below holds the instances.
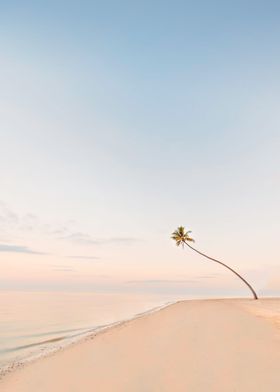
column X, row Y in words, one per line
column 199, row 345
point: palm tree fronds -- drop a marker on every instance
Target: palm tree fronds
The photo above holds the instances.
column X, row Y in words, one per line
column 181, row 236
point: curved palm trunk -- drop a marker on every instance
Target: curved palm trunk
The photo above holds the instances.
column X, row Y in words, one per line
column 219, row 262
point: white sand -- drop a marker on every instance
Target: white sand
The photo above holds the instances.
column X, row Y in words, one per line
column 205, row 346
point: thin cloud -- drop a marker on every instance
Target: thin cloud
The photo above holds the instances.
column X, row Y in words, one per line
column 86, row 239
column 7, row 216
column 213, row 276
column 125, row 240
column 83, row 257
column 13, row 224
column 19, row 249
column 161, row 281
column 81, row 238
column 195, row 279
column 64, row 269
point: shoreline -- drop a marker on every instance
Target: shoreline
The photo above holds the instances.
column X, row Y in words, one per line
column 51, row 350
column 212, row 344
column 67, row 342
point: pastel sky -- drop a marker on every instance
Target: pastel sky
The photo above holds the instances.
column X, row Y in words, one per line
column 121, row 120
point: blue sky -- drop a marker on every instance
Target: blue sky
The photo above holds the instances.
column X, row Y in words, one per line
column 122, row 120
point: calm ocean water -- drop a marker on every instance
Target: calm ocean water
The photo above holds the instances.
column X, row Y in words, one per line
column 34, row 323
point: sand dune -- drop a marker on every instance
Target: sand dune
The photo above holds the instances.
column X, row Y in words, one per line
column 203, row 345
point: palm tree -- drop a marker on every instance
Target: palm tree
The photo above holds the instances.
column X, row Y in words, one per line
column 182, row 238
